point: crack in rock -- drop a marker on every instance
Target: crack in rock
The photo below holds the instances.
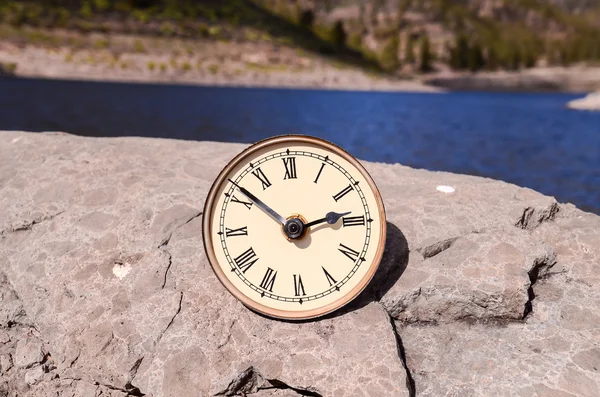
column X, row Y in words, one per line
column 130, row 392
column 532, row 217
column 28, row 225
column 410, row 381
column 436, row 248
column 540, row 268
column 167, row 269
column 170, row 322
column 251, row 381
column 165, row 241
column 131, row 389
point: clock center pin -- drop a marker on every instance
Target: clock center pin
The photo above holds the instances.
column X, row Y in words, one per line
column 294, row 228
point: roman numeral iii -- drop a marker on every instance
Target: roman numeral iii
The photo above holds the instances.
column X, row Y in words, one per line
column 298, row 286
column 353, row 221
column 246, row 260
column 262, row 178
column 242, row 231
column 349, row 252
column 290, row 167
column 268, row 280
column 344, row 192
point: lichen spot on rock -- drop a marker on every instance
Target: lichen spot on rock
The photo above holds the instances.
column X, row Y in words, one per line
column 445, row 189
column 121, row 270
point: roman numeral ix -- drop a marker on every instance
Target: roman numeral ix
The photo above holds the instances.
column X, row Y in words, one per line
column 290, row 167
column 262, row 178
column 246, row 260
column 242, row 231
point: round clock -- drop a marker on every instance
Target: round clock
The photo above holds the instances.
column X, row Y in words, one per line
column 294, row 227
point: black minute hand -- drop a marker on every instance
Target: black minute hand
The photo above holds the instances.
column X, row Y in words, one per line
column 260, row 204
column 331, row 218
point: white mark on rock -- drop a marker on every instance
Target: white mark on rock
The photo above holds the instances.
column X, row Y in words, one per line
column 16, row 139
column 121, row 270
column 445, row 189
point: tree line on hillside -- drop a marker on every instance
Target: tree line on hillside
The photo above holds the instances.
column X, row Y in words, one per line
column 486, row 47
column 467, row 54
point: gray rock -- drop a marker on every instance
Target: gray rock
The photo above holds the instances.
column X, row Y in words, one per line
column 489, row 289
column 34, row 375
column 554, row 352
column 482, row 276
column 590, row 102
column 5, row 363
column 29, row 352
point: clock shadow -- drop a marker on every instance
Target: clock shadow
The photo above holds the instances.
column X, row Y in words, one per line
column 392, row 265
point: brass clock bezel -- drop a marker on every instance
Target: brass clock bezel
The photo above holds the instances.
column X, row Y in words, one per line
column 208, row 240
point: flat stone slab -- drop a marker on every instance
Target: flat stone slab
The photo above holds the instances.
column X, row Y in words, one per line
column 105, row 288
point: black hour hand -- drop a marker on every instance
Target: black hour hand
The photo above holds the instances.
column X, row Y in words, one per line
column 331, row 218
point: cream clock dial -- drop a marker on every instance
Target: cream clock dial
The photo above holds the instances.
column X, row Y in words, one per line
column 294, row 227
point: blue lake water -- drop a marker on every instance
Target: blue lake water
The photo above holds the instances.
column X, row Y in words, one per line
column 528, row 139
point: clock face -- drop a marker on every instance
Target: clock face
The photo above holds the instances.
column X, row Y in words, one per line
column 294, row 227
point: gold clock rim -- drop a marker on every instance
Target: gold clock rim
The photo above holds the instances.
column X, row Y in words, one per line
column 245, row 299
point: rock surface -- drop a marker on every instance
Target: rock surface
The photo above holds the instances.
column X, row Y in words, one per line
column 590, row 102
column 105, row 289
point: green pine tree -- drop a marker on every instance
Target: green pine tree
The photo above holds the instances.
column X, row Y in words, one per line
column 459, row 54
column 409, row 56
column 389, row 55
column 426, row 56
column 475, row 59
column 338, row 34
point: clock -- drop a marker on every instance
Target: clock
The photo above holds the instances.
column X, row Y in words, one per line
column 294, row 227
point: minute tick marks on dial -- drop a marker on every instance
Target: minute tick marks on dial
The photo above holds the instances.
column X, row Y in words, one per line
column 262, row 279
